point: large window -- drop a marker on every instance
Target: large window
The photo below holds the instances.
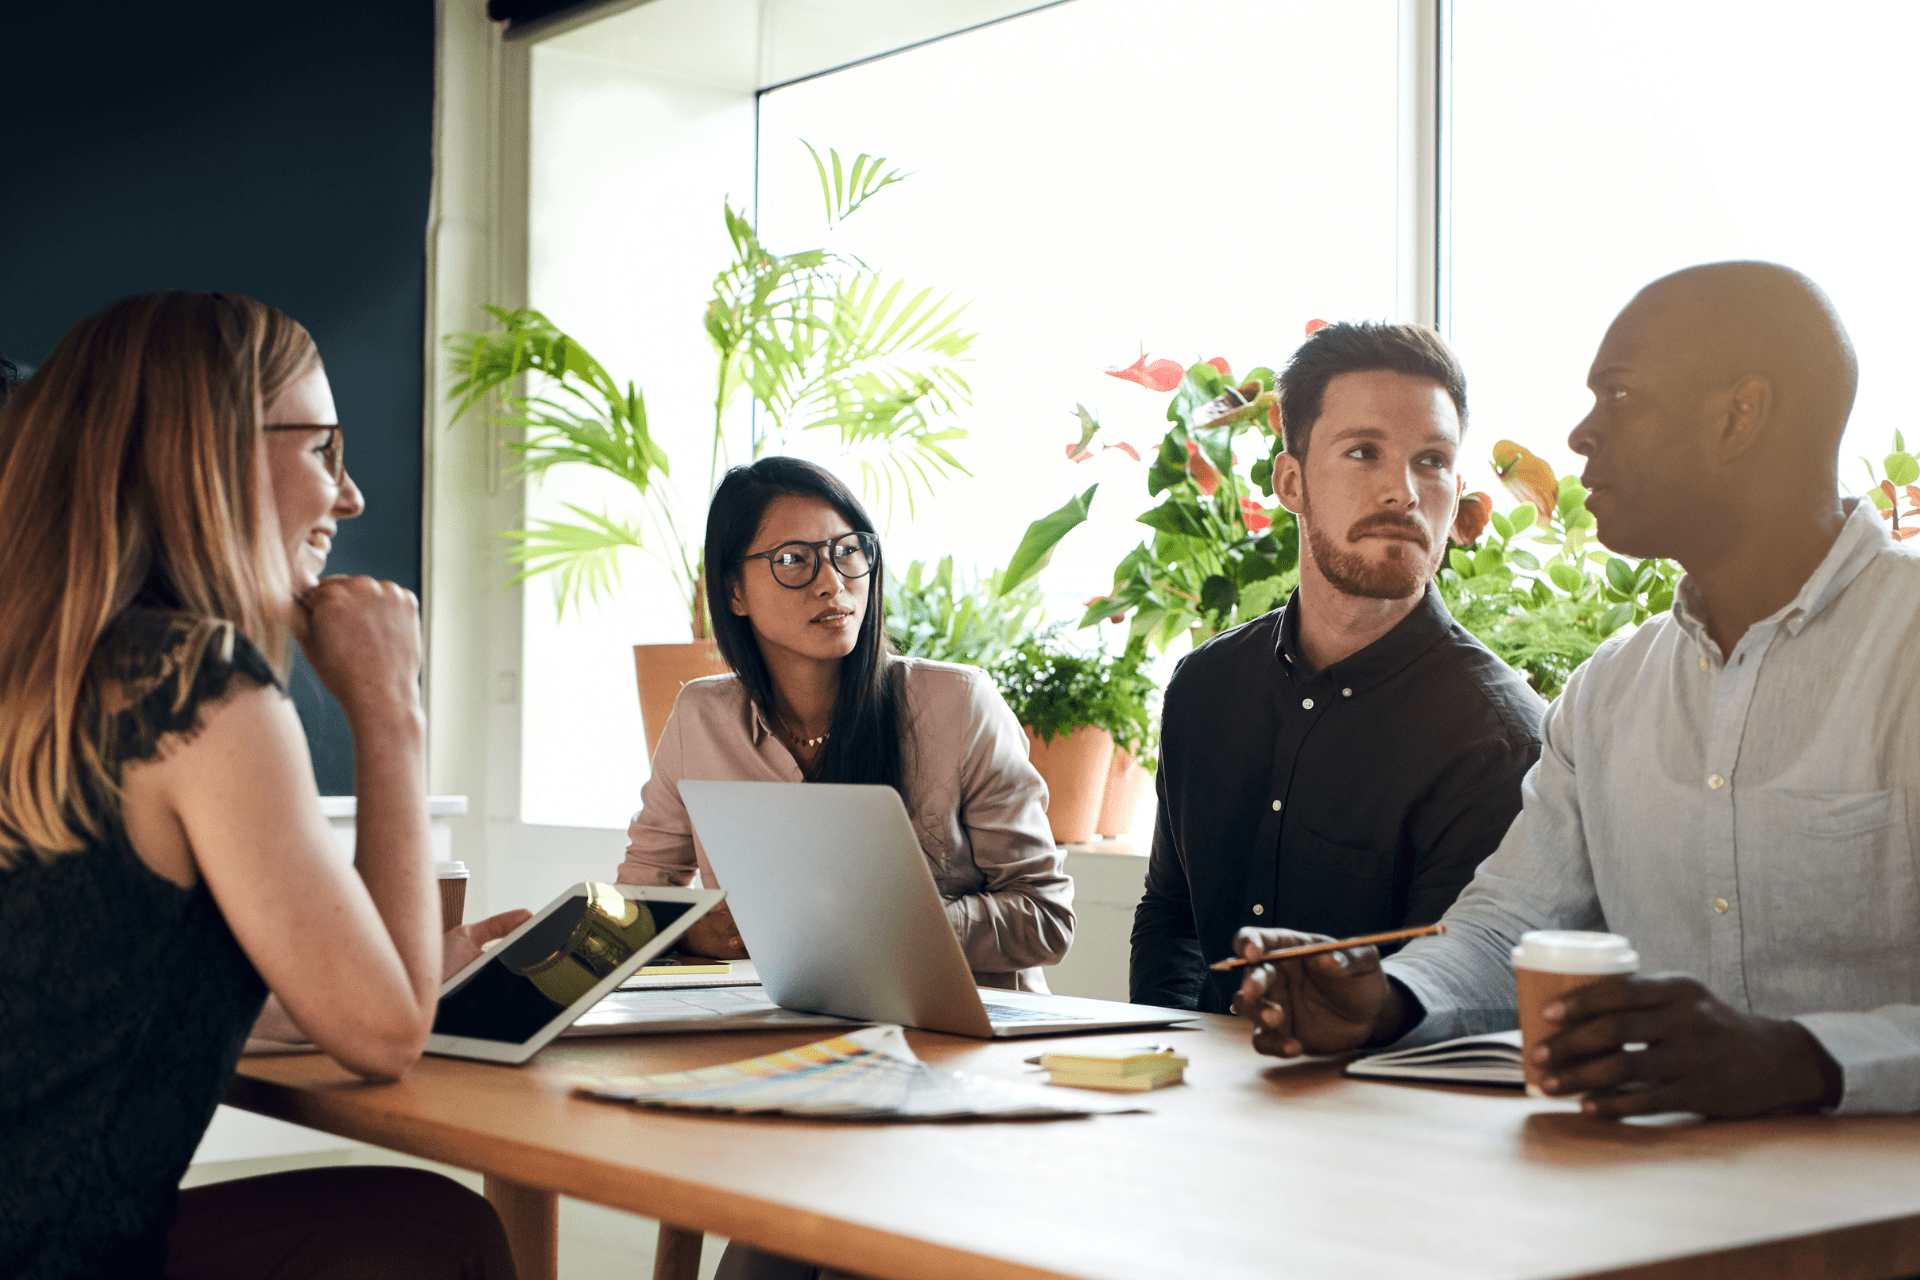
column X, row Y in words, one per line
column 1104, row 177
column 1597, row 147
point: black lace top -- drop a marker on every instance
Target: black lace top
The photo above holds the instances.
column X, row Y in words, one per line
column 124, row 1000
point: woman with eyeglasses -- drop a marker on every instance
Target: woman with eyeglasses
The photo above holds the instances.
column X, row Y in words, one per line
column 796, row 589
column 171, row 480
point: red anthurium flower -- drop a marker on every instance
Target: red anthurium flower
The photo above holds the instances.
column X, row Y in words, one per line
column 1273, row 418
column 1255, row 516
column 1159, row 375
column 1526, row 476
column 1315, row 326
column 1127, row 449
column 1220, row 363
column 1470, row 518
column 1201, row 468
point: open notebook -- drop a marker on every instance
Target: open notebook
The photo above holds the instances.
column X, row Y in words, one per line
column 1488, row 1059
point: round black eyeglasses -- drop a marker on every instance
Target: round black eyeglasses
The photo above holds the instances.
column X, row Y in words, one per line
column 797, row 564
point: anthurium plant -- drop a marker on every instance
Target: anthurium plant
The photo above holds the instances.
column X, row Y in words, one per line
column 818, row 340
column 1532, row 584
column 1898, row 485
column 1218, row 555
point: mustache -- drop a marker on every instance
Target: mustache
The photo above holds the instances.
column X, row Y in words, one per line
column 1387, row 520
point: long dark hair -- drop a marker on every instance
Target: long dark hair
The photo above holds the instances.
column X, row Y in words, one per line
column 864, row 743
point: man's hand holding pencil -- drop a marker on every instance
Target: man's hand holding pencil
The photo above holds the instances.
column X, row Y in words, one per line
column 1329, row 1000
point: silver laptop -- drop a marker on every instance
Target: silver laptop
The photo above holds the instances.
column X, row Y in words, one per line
column 834, row 898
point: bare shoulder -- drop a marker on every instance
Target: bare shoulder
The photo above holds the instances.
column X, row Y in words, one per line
column 247, row 738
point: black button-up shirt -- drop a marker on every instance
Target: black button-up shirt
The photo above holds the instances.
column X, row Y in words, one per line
column 1354, row 800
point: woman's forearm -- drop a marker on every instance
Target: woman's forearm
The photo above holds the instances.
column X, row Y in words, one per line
column 391, row 850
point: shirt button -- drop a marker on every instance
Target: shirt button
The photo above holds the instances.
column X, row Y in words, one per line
column 1260, row 910
column 1276, row 806
column 1307, row 703
column 1719, row 904
column 1716, row 782
column 1346, row 693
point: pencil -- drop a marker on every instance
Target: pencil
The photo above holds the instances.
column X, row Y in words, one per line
column 1314, row 949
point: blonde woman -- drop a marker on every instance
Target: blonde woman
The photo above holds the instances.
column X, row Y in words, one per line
column 171, row 480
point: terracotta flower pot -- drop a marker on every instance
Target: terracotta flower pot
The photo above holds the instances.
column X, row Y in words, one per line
column 1127, row 785
column 662, row 669
column 1074, row 767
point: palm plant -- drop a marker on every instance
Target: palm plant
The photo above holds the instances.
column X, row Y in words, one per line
column 818, row 340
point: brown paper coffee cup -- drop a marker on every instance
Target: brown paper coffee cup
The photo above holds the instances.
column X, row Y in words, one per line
column 453, row 894
column 1549, row 963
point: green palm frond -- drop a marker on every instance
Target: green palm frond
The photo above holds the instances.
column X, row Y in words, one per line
column 586, row 556
column 849, row 188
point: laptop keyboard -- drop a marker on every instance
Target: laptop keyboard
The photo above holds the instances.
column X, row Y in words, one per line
column 1015, row 1013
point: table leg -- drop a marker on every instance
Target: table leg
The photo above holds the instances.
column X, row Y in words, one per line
column 532, row 1219
column 677, row 1256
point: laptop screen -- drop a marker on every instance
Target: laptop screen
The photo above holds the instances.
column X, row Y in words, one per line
column 528, row 982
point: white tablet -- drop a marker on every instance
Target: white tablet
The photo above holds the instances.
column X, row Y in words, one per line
column 518, row 995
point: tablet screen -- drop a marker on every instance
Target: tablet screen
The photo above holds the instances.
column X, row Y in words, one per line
column 528, row 982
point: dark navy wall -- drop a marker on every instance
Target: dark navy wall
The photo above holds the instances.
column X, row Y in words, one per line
column 278, row 149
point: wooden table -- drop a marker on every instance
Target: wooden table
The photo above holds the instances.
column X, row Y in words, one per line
column 1254, row 1168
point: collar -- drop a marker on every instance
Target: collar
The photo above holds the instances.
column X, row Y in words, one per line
column 1861, row 539
column 1413, row 635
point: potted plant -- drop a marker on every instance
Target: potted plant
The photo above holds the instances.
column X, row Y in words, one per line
column 1077, row 706
column 817, row 340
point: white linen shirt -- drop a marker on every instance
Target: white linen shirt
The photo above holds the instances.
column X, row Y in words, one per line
column 1750, row 821
column 979, row 809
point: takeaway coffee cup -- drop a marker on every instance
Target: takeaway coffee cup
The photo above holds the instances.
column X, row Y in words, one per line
column 1549, row 963
column 453, row 894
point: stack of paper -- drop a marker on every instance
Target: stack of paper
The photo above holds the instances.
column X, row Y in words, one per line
column 864, row 1075
column 1120, row 1070
column 1488, row 1059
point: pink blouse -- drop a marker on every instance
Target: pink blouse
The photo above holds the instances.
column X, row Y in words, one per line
column 978, row 807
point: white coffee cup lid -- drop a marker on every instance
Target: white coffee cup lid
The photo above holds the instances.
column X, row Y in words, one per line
column 451, row 870
column 1570, row 951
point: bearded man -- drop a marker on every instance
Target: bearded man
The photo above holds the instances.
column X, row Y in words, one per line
column 1345, row 762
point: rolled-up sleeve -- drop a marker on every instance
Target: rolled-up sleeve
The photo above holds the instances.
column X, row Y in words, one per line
column 660, row 848
column 1022, row 915
column 1539, row 878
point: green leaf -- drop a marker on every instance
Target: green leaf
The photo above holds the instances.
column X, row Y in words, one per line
column 1523, row 516
column 1902, row 468
column 1899, row 443
column 1501, row 525
column 1525, row 559
column 1461, row 562
column 1879, row 498
column 1488, row 560
column 1617, row 617
column 1218, row 594
column 1262, row 475
column 1042, row 536
column 1620, row 577
column 1178, row 516
column 1566, row 577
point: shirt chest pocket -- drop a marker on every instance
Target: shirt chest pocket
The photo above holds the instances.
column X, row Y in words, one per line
column 1332, row 888
column 1833, row 872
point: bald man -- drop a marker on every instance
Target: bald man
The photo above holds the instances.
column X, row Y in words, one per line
column 1735, row 786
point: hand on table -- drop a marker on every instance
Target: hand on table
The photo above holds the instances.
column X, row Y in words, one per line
column 1327, row 1003
column 714, row 935
column 461, row 946
column 1701, row 1055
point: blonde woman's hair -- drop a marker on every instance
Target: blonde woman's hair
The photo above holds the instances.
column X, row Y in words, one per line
column 130, row 470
